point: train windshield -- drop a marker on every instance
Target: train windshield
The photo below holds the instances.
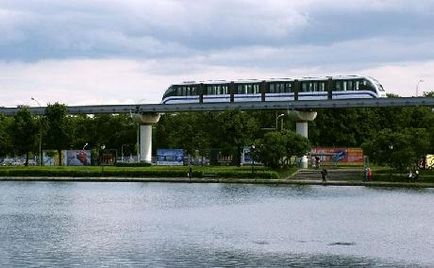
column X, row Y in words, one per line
column 377, row 84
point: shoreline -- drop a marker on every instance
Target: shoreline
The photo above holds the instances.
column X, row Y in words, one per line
column 222, row 180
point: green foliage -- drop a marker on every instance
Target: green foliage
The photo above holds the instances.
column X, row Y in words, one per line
column 274, row 147
column 296, row 145
column 58, row 134
column 6, row 146
column 133, row 164
column 229, row 131
column 137, row 172
column 399, row 150
column 24, row 131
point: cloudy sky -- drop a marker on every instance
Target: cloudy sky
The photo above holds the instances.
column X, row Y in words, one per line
column 129, row 51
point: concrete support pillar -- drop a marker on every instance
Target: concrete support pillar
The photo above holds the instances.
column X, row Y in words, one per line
column 145, row 135
column 145, row 147
column 302, row 128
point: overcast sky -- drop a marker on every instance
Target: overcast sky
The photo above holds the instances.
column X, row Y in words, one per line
column 129, row 51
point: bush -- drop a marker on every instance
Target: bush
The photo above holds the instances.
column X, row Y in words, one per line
column 142, row 164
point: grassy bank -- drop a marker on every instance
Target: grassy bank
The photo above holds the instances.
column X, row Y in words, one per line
column 387, row 175
column 138, row 172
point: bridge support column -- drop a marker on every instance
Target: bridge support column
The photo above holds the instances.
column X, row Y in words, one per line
column 302, row 118
column 145, row 135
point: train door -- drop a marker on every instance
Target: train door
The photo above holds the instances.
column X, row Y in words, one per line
column 296, row 89
column 201, row 91
column 232, row 90
column 330, row 88
column 263, row 89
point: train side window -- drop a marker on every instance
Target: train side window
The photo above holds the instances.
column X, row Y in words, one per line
column 240, row 89
column 288, row 87
column 364, row 85
column 338, row 85
column 255, row 88
column 321, row 86
column 350, row 85
column 224, row 89
column 356, row 85
column 271, row 88
column 281, row 88
column 193, row 91
column 248, row 89
column 304, row 87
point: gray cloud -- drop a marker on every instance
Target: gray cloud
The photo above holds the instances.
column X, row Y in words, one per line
column 245, row 32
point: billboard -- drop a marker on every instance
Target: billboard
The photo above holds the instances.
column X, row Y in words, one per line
column 50, row 158
column 339, row 155
column 246, row 156
column 107, row 157
column 170, row 157
column 77, row 157
column 429, row 161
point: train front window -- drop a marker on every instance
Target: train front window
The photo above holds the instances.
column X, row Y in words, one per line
column 367, row 85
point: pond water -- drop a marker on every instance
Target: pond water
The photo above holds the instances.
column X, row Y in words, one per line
column 213, row 225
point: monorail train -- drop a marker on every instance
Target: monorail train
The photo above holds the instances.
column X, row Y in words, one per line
column 285, row 89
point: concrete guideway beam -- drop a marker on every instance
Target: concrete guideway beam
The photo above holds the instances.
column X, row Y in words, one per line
column 145, row 134
column 302, row 118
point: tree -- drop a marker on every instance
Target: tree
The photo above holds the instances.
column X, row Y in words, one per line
column 271, row 149
column 233, row 130
column 58, row 134
column 277, row 146
column 24, row 132
column 398, row 149
column 296, row 145
column 6, row 146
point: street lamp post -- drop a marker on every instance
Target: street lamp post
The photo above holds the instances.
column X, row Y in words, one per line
column 122, row 152
column 101, row 159
column 277, row 121
column 252, row 151
column 417, row 87
column 40, row 133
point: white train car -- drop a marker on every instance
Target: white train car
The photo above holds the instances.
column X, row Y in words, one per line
column 283, row 89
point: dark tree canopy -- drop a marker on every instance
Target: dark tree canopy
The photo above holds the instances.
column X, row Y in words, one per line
column 24, row 131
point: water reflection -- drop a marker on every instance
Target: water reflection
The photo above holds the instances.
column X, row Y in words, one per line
column 205, row 225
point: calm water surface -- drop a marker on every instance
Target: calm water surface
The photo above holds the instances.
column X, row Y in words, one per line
column 213, row 225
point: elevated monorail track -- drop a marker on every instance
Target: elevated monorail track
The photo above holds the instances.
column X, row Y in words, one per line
column 275, row 105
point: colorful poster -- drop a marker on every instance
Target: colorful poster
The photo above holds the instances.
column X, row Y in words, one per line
column 429, row 161
column 77, row 157
column 170, row 157
column 50, row 158
column 107, row 157
column 338, row 155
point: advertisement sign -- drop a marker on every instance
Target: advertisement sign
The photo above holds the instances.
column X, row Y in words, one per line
column 246, row 156
column 429, row 161
column 50, row 158
column 77, row 157
column 170, row 157
column 338, row 155
column 107, row 157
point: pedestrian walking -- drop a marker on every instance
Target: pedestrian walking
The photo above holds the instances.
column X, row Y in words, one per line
column 369, row 174
column 324, row 175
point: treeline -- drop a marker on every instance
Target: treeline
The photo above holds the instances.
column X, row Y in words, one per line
column 384, row 133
